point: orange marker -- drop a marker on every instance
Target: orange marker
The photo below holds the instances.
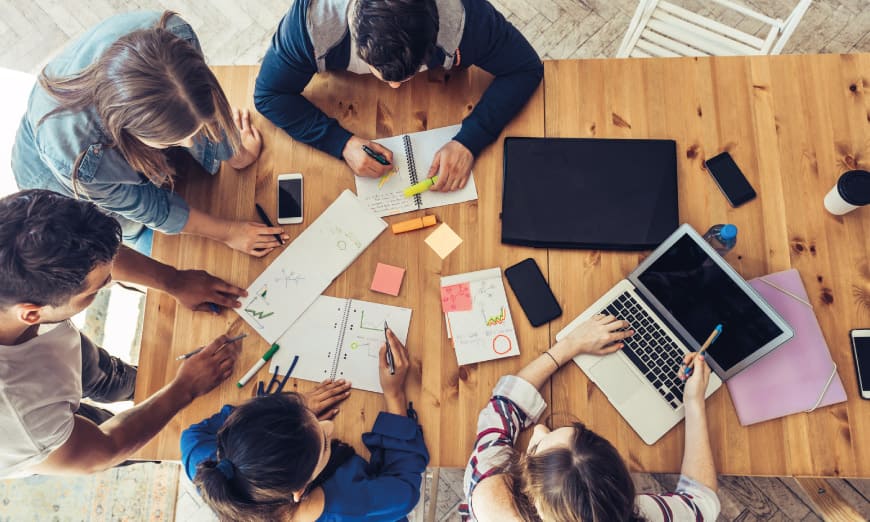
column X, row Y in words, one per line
column 414, row 224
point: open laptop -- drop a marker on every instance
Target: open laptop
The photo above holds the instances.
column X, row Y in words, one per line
column 673, row 300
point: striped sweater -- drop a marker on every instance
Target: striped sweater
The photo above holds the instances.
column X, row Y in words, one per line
column 515, row 405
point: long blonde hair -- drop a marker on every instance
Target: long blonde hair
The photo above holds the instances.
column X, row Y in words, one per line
column 151, row 85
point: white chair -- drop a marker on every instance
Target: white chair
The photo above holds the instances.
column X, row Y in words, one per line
column 661, row 28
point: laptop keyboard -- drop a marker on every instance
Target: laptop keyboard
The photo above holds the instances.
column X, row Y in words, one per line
column 654, row 353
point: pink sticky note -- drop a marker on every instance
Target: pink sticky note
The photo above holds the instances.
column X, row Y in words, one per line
column 456, row 298
column 388, row 279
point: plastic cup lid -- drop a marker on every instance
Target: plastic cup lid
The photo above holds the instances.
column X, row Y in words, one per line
column 854, row 187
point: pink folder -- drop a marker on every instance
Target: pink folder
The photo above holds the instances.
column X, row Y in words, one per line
column 799, row 375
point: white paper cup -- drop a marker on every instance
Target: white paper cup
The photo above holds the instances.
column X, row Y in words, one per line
column 836, row 205
column 851, row 191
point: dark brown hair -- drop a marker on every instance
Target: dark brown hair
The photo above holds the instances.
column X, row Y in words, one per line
column 49, row 243
column 395, row 36
column 586, row 482
column 266, row 450
column 152, row 85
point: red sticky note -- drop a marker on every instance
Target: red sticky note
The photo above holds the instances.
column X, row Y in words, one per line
column 456, row 298
column 388, row 279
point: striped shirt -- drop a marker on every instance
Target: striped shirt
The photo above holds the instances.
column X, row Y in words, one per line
column 515, row 405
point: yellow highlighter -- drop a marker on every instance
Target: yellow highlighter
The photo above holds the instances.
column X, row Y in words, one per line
column 421, row 187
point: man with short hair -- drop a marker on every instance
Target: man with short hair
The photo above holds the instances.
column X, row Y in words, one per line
column 56, row 253
column 395, row 39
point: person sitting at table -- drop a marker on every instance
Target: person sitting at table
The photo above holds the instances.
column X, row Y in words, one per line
column 56, row 253
column 104, row 112
column 273, row 458
column 572, row 473
column 394, row 41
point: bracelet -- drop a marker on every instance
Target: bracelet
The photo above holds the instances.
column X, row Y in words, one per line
column 554, row 360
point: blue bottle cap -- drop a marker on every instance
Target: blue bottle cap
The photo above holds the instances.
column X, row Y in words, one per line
column 728, row 232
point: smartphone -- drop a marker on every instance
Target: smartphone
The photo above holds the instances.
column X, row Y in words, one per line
column 730, row 179
column 290, row 199
column 861, row 350
column 533, row 292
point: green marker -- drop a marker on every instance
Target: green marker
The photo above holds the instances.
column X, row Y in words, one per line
column 259, row 364
column 421, row 187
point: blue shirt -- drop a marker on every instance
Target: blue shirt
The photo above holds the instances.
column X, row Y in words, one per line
column 44, row 154
column 386, row 488
column 489, row 41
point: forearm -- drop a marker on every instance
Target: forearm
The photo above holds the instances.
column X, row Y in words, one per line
column 396, row 403
column 698, row 455
column 133, row 267
column 202, row 224
column 543, row 366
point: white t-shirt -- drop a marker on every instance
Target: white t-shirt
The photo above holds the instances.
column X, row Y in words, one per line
column 40, row 390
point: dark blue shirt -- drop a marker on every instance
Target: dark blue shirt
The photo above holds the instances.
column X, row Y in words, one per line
column 386, row 488
column 489, row 41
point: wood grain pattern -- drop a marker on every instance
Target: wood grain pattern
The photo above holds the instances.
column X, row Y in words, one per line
column 447, row 398
column 793, row 124
column 828, row 502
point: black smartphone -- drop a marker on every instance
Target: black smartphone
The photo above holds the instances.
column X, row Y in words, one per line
column 730, row 179
column 533, row 292
column 861, row 351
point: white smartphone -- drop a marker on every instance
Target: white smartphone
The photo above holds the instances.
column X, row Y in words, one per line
column 290, row 199
column 861, row 350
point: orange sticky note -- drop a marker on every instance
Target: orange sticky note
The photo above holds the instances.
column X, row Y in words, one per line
column 388, row 279
column 443, row 241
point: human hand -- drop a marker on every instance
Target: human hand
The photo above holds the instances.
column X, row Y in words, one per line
column 452, row 165
column 253, row 238
column 361, row 163
column 598, row 335
column 195, row 289
column 327, row 394
column 252, row 142
column 202, row 372
column 696, row 382
column 394, row 385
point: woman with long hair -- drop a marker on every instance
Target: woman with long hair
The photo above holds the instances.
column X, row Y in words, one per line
column 273, row 459
column 571, row 474
column 103, row 113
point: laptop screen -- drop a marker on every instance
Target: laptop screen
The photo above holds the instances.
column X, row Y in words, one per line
column 699, row 294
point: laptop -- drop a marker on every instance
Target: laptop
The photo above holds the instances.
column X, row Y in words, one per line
column 673, row 300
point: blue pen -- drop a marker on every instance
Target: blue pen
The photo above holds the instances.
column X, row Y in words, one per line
column 710, row 340
column 213, row 307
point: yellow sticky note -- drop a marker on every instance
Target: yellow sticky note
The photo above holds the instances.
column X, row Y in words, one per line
column 443, row 240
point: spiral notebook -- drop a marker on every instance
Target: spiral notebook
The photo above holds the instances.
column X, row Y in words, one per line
column 340, row 339
column 412, row 156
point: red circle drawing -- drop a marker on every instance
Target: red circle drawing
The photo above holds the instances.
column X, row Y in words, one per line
column 507, row 342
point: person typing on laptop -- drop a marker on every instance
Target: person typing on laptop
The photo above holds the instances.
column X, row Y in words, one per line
column 571, row 473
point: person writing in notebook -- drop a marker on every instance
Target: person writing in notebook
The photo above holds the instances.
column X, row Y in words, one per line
column 571, row 473
column 394, row 41
column 274, row 458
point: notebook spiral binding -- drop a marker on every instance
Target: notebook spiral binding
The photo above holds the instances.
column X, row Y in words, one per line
column 342, row 329
column 412, row 167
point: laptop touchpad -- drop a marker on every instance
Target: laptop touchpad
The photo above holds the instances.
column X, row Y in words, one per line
column 615, row 379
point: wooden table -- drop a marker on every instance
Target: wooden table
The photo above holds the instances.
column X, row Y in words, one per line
column 793, row 123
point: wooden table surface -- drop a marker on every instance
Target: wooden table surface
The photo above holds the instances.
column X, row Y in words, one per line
column 793, row 124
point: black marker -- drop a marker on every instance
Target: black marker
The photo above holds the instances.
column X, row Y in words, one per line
column 265, row 219
column 377, row 157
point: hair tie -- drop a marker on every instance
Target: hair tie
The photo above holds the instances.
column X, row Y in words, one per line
column 226, row 468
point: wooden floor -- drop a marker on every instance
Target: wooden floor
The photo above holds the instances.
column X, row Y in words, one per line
column 237, row 32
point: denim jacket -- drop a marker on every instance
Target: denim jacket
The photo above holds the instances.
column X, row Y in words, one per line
column 44, row 154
